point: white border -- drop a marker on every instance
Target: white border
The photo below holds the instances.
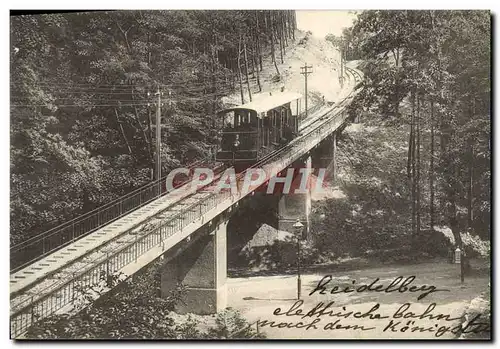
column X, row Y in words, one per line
column 189, row 4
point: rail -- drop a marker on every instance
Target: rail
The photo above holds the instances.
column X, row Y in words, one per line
column 46, row 302
column 311, row 110
column 41, row 245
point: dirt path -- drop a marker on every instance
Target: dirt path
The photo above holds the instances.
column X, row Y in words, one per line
column 259, row 297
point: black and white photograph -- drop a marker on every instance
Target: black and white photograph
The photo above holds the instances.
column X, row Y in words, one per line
column 250, row 174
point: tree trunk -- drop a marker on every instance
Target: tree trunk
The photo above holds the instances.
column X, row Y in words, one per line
column 410, row 150
column 273, row 54
column 283, row 31
column 290, row 25
column 255, row 57
column 280, row 38
column 123, row 132
column 146, row 140
column 417, row 178
column 215, row 61
column 265, row 22
column 239, row 72
column 440, row 117
column 142, row 129
column 470, row 199
column 257, row 45
column 397, row 83
column 431, row 169
column 452, row 205
column 246, row 70
column 252, row 61
column 413, row 185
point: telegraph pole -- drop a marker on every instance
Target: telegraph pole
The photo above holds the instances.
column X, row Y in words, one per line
column 305, row 72
column 158, row 135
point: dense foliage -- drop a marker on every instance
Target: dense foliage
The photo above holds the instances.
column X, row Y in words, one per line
column 429, row 71
column 83, row 99
column 134, row 310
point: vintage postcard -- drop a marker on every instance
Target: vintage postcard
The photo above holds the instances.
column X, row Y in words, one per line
column 250, row 174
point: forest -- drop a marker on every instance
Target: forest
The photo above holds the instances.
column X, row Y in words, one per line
column 429, row 73
column 84, row 90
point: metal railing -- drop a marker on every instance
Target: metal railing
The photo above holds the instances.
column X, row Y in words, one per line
column 46, row 302
column 311, row 110
column 39, row 246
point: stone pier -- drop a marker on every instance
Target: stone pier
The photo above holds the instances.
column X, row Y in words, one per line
column 202, row 268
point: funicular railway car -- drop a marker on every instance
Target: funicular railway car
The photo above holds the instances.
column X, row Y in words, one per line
column 252, row 130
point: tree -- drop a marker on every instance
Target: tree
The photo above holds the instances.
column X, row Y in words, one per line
column 441, row 57
column 82, row 100
column 135, row 311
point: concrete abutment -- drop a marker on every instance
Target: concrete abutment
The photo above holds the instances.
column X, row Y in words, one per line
column 202, row 268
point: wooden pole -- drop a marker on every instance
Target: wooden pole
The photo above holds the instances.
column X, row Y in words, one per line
column 306, row 72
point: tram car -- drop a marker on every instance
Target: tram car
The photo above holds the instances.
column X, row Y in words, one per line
column 252, row 130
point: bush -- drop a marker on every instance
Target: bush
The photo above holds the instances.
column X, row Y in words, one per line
column 231, row 325
column 276, row 78
column 474, row 246
column 481, row 306
column 433, row 243
column 134, row 311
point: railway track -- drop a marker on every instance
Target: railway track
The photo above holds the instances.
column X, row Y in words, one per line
column 58, row 289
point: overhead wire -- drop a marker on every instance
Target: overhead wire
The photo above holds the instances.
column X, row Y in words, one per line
column 78, row 105
column 152, row 86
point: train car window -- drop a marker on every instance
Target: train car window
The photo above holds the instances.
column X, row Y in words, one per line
column 229, row 119
column 253, row 119
column 237, row 122
column 265, row 122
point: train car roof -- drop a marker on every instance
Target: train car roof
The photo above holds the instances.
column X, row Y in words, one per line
column 267, row 103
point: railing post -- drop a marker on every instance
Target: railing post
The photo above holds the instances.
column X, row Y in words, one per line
column 136, row 248
column 108, row 275
column 32, row 311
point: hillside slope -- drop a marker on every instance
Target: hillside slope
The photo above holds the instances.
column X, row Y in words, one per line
column 323, row 81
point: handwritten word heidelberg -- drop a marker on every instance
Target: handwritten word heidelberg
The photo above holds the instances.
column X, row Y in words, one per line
column 401, row 321
column 396, row 285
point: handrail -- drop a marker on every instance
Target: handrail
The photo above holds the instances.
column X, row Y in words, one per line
column 103, row 206
column 36, row 247
column 239, row 132
column 62, row 293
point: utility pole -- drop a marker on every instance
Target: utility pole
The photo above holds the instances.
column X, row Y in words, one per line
column 158, row 135
column 305, row 72
column 299, row 231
